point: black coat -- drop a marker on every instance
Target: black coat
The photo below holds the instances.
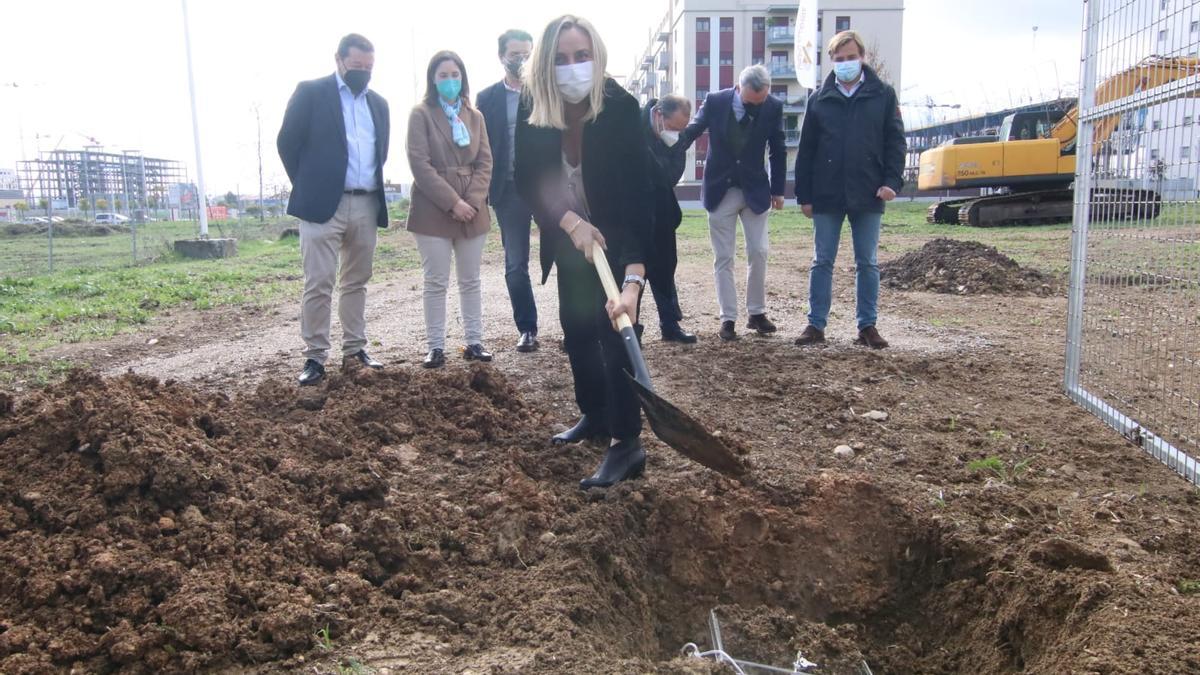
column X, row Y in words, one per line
column 850, row 147
column 614, row 178
column 312, row 145
column 721, row 164
column 666, row 168
column 493, row 103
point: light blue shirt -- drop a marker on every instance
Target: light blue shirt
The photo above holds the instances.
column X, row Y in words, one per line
column 360, row 138
column 739, row 108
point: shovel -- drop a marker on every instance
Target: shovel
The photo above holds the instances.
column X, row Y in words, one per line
column 670, row 424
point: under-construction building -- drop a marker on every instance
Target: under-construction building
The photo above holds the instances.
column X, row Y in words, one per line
column 91, row 180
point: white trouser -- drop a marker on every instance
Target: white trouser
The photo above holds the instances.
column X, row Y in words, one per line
column 435, row 261
column 350, row 233
column 722, row 230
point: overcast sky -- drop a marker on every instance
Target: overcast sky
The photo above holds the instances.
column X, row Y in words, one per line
column 114, row 70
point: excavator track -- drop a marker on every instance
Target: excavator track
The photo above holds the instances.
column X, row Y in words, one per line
column 945, row 212
column 1044, row 207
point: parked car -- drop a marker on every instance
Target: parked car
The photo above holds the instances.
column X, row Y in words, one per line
column 110, row 219
column 38, row 220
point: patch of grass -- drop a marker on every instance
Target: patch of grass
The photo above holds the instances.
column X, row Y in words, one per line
column 324, row 640
column 353, row 666
column 1188, row 586
column 91, row 303
column 1004, row 473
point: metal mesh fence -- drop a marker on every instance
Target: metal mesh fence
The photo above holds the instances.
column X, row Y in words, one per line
column 1133, row 347
column 36, row 248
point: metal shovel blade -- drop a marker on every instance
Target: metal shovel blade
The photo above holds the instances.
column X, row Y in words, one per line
column 678, row 430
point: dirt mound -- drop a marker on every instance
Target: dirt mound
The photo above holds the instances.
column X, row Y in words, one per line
column 963, row 268
column 419, row 521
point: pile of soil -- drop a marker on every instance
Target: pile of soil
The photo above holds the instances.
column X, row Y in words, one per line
column 963, row 268
column 418, row 521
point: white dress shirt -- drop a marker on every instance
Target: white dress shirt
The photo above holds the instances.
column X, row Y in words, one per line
column 360, row 138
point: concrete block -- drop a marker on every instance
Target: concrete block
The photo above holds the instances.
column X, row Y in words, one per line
column 206, row 249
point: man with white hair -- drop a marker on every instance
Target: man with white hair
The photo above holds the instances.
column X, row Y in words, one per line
column 743, row 123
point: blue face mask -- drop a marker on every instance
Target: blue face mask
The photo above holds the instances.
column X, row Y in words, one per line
column 847, row 71
column 449, row 89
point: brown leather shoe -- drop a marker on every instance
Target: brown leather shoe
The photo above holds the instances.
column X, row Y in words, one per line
column 870, row 337
column 811, row 336
column 760, row 323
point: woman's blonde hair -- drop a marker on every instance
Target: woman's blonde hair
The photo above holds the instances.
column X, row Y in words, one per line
column 541, row 85
column 844, row 38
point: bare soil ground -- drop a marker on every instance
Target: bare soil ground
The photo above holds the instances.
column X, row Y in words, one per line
column 205, row 513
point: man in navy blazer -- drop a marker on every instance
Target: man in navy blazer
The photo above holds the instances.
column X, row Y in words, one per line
column 333, row 144
column 498, row 103
column 743, row 123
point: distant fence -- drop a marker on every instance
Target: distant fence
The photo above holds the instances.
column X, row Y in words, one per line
column 36, row 248
column 1133, row 345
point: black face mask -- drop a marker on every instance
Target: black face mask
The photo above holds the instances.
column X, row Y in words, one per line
column 514, row 66
column 752, row 108
column 357, row 80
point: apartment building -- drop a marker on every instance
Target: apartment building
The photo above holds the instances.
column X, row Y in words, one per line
column 701, row 45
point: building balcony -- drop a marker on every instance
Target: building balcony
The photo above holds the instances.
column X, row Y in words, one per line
column 664, row 60
column 777, row 9
column 781, row 36
column 795, row 106
column 783, row 71
column 791, row 137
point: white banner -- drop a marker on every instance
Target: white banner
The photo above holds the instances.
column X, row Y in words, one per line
column 806, row 44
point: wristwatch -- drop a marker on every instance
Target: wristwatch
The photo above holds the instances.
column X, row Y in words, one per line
column 634, row 279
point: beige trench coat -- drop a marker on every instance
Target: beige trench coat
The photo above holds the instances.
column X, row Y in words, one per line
column 443, row 173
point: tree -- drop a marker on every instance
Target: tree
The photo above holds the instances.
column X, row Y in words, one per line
column 43, row 203
column 231, row 199
column 101, row 204
column 21, row 208
column 875, row 60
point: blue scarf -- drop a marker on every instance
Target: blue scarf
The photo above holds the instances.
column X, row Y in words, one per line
column 462, row 137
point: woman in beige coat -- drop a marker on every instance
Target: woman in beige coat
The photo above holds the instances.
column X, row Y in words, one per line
column 452, row 167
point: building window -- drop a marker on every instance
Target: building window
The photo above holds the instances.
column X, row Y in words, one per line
column 759, row 24
column 702, row 59
column 1185, row 152
column 701, row 94
column 702, row 26
column 1162, row 35
column 1163, row 5
column 726, row 58
column 1187, row 120
column 843, row 23
column 1156, row 125
column 727, row 24
column 818, row 22
column 757, row 60
column 1194, row 27
column 1154, row 153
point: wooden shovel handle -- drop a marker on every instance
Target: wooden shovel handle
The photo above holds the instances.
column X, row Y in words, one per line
column 609, row 283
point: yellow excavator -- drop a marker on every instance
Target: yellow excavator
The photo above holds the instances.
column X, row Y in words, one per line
column 1030, row 163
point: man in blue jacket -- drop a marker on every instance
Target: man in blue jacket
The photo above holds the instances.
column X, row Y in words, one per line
column 743, row 123
column 850, row 162
column 498, row 103
column 333, row 143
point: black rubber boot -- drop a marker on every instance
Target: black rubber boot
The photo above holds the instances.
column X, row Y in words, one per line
column 587, row 428
column 624, row 461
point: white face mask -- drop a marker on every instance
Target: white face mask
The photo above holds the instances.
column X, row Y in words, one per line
column 575, row 80
column 669, row 137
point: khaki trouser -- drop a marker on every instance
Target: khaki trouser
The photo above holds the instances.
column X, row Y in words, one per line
column 435, row 262
column 351, row 234
column 722, row 231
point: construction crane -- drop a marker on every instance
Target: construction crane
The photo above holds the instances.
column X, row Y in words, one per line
column 1031, row 162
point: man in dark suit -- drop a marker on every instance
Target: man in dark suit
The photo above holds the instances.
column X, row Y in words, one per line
column 662, row 122
column 743, row 123
column 498, row 103
column 333, row 143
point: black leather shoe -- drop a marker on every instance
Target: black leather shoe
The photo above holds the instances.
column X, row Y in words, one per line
column 761, row 323
column 671, row 332
column 728, row 333
column 313, row 373
column 476, row 353
column 587, row 428
column 434, row 359
column 624, row 461
column 362, row 357
column 528, row 342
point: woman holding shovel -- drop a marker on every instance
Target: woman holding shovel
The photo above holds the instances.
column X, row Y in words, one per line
column 580, row 163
